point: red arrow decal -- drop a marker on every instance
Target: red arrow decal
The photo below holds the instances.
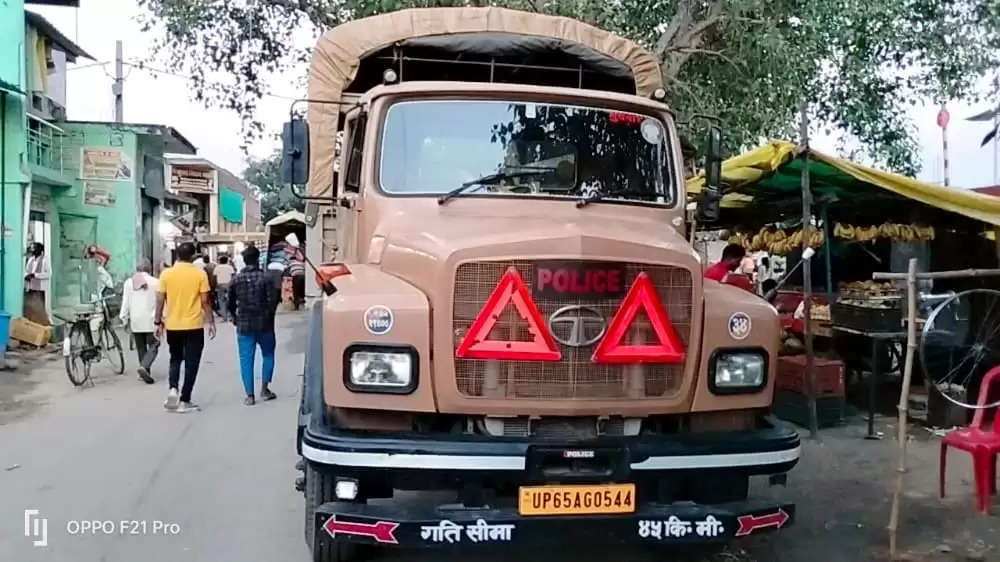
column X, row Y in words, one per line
column 383, row 531
column 750, row 523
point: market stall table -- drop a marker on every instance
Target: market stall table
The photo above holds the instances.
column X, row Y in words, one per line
column 879, row 340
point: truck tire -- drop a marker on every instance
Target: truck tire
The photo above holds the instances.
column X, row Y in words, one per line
column 319, row 490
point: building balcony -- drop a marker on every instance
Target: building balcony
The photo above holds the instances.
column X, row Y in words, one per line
column 45, row 152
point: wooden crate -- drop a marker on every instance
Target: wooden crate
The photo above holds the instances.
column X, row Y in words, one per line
column 794, row 407
column 792, row 375
column 24, row 330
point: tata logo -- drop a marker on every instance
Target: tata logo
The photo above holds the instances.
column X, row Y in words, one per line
column 577, row 325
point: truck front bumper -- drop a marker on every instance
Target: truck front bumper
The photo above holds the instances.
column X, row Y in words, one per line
column 444, row 526
column 664, row 468
column 772, row 448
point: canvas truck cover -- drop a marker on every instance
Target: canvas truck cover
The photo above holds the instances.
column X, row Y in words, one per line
column 341, row 50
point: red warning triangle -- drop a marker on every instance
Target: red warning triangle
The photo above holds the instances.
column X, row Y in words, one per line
column 510, row 289
column 643, row 295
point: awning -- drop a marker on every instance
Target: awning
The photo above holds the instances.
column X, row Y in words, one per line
column 287, row 217
column 9, row 88
column 773, row 170
column 230, row 237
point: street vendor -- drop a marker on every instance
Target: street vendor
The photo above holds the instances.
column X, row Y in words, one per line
column 732, row 256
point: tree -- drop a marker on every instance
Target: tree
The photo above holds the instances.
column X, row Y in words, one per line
column 264, row 175
column 859, row 63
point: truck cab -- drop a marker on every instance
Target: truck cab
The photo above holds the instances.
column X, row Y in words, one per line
column 515, row 316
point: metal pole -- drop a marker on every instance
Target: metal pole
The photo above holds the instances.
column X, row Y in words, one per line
column 944, row 145
column 3, row 200
column 117, row 87
column 996, row 123
column 827, row 242
column 807, row 229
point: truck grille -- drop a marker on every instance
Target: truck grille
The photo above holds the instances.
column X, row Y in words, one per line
column 575, row 376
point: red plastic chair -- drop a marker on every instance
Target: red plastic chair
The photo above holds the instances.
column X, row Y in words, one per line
column 982, row 443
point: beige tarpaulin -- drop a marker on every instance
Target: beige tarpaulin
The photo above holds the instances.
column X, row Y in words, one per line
column 761, row 168
column 340, row 50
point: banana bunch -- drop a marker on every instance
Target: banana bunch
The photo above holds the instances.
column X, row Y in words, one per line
column 893, row 231
column 766, row 238
column 866, row 233
column 844, row 231
column 925, row 232
column 793, row 242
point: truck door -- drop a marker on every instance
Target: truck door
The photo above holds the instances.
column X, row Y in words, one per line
column 351, row 198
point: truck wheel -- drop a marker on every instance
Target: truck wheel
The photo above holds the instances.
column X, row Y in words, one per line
column 319, row 490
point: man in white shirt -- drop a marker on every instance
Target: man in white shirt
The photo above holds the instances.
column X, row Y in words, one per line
column 36, row 282
column 224, row 273
column 137, row 313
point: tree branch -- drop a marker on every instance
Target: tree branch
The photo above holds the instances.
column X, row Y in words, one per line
column 681, row 19
column 315, row 13
column 692, row 38
column 710, row 52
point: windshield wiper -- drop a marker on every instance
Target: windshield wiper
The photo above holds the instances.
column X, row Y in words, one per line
column 601, row 196
column 489, row 179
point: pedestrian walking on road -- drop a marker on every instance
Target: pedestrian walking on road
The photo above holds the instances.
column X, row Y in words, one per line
column 184, row 291
column 139, row 295
column 224, row 273
column 253, row 301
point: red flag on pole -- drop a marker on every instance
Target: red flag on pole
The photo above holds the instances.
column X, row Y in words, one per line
column 943, row 117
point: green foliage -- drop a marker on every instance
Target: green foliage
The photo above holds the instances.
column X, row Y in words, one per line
column 859, row 63
column 264, row 175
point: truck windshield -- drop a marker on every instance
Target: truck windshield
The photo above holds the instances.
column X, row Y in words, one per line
column 524, row 149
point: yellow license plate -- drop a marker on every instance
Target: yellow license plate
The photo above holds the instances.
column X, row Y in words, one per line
column 576, row 500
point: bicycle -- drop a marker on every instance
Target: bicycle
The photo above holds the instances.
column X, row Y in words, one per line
column 90, row 337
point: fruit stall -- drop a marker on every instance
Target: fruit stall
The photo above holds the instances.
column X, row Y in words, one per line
column 859, row 221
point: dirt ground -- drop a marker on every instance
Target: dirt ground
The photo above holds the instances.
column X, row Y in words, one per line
column 843, row 490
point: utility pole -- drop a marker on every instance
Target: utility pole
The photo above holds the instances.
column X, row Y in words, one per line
column 117, row 87
column 807, row 230
column 942, row 120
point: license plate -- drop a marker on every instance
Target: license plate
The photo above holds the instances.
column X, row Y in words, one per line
column 576, row 500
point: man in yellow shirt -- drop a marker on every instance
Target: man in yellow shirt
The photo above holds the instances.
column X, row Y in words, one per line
column 184, row 289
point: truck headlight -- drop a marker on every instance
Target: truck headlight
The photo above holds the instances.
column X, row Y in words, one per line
column 735, row 371
column 370, row 368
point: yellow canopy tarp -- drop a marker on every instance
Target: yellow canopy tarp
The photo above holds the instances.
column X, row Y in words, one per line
column 741, row 175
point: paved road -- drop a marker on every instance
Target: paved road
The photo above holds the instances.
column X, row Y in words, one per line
column 221, row 478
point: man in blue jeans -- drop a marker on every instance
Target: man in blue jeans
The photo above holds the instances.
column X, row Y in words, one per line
column 253, row 301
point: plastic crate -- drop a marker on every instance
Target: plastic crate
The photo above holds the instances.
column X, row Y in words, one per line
column 792, row 375
column 867, row 319
column 794, row 407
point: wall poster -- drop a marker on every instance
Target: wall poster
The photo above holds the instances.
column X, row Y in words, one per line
column 99, row 193
column 105, row 164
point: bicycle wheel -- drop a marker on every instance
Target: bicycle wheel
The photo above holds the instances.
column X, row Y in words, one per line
column 960, row 343
column 112, row 349
column 77, row 368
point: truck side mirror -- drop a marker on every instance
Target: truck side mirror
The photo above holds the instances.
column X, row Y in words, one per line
column 295, row 152
column 711, row 192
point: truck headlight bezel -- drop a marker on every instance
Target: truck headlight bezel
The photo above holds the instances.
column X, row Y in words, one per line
column 377, row 349
column 724, row 353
